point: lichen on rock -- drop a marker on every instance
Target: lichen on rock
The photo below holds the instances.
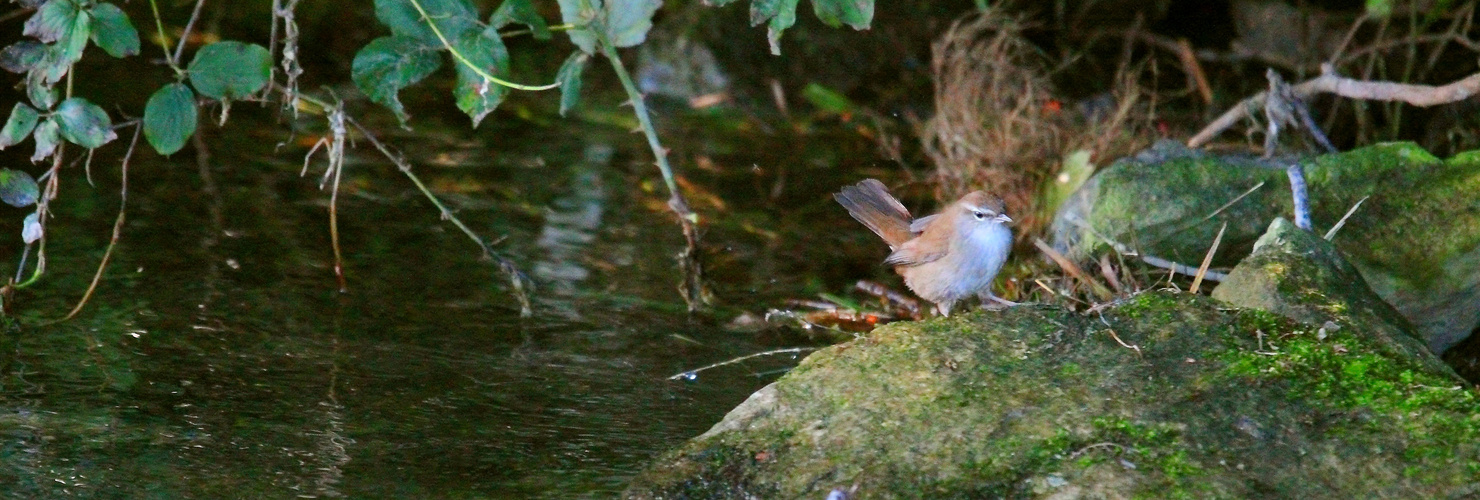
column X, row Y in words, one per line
column 1201, row 400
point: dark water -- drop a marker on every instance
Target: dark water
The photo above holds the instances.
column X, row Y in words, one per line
column 218, row 360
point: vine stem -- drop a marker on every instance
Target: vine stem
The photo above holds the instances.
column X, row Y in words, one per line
column 164, row 43
column 694, row 294
column 117, row 227
column 464, row 60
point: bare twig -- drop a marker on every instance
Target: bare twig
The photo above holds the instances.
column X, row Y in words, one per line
column 1234, row 200
column 1122, row 343
column 117, row 228
column 692, row 373
column 1330, row 82
column 1073, row 269
column 1207, row 260
column 185, row 35
column 1332, row 232
column 1122, row 249
column 516, row 277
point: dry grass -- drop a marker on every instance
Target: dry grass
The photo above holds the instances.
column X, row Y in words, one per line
column 997, row 125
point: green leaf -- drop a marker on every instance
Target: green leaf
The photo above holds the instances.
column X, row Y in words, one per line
column 572, row 13
column 22, row 121
column 388, row 64
column 31, row 228
column 22, row 56
column 782, row 14
column 47, row 138
column 856, row 13
column 718, row 3
column 84, row 123
column 475, row 95
column 52, row 20
column 18, row 188
column 569, row 79
column 170, row 118
column 230, row 70
column 74, row 40
column 455, row 18
column 113, row 32
column 522, row 12
column 39, row 91
column 625, row 22
column 628, row 21
column 827, row 99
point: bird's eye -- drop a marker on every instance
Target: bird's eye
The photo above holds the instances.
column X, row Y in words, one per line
column 979, row 215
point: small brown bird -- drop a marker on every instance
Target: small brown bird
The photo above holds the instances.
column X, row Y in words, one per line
column 944, row 257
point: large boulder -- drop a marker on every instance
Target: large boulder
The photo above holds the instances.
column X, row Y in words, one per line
column 1160, row 395
column 1416, row 238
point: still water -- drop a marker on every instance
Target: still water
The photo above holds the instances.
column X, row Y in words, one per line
column 218, row 360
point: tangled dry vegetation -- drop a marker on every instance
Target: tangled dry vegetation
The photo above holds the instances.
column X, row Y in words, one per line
column 1000, row 126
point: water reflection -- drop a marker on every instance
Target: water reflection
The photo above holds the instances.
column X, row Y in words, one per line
column 571, row 222
column 187, row 378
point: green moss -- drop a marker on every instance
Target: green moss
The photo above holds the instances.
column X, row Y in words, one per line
column 1347, row 374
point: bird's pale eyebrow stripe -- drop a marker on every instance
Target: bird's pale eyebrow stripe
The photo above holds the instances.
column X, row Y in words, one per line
column 975, row 208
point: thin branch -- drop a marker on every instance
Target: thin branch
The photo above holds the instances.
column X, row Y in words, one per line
column 185, row 35
column 692, row 373
column 1202, row 270
column 117, row 228
column 1331, row 83
column 517, row 279
column 1332, row 232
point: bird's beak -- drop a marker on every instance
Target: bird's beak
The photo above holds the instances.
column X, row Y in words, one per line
column 1003, row 218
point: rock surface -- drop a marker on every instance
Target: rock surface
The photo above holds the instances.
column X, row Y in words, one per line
column 1161, row 395
column 1416, row 238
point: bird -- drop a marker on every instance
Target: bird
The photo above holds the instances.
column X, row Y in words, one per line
column 945, row 257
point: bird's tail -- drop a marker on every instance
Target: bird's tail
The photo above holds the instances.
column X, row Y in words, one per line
column 870, row 202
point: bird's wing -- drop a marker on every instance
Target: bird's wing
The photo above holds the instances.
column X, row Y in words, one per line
column 911, row 254
column 918, row 225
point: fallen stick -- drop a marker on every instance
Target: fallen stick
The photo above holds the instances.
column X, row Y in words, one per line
column 1331, row 83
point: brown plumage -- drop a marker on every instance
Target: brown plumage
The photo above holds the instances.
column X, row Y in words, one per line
column 943, row 257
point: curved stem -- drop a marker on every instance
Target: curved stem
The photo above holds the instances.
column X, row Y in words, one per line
column 464, row 60
column 163, row 42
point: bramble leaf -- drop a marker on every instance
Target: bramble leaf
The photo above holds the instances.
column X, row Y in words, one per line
column 18, row 188
column 47, row 137
column 113, row 32
column 522, row 12
column 170, row 118
column 572, row 13
column 84, row 123
column 52, row 20
column 19, row 126
column 31, row 228
column 230, row 70
column 454, row 18
column 625, row 22
column 22, row 56
column 476, row 95
column 388, row 64
column 782, row 14
column 569, row 79
column 628, row 21
column 39, row 92
column 856, row 13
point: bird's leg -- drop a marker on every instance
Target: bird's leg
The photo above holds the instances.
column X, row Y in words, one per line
column 990, row 297
column 944, row 308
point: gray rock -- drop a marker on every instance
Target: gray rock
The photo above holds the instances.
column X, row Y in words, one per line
column 1161, row 395
column 1416, row 239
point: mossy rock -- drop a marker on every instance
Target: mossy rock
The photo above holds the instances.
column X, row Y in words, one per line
column 1416, row 238
column 1162, row 395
